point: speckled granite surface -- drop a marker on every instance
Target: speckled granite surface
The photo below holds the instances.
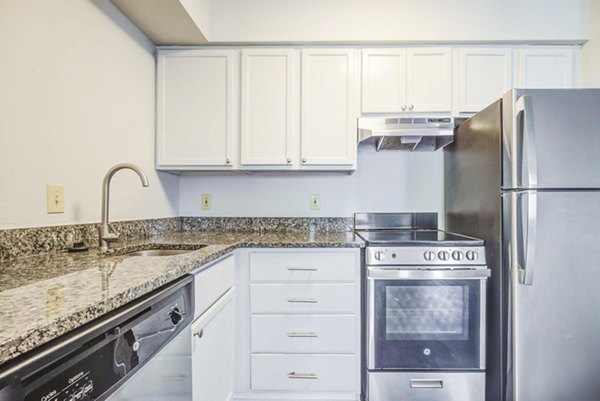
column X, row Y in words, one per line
column 45, row 296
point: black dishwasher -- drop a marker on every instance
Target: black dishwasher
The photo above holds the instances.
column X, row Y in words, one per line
column 91, row 362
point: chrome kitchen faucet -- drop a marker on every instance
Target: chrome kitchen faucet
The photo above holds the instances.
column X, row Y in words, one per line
column 106, row 233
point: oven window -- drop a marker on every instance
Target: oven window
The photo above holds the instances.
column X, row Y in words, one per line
column 427, row 312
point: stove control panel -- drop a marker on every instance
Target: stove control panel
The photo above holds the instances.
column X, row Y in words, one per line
column 426, row 256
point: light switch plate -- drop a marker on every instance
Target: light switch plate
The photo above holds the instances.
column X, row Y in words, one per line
column 55, row 199
column 315, row 202
column 206, row 201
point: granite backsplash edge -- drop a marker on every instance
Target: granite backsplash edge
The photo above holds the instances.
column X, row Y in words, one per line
column 21, row 242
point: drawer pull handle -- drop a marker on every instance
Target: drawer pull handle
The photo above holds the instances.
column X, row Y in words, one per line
column 302, row 300
column 294, row 375
column 307, row 334
column 199, row 334
column 302, row 269
column 426, row 383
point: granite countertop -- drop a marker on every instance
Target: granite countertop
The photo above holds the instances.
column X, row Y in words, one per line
column 45, row 296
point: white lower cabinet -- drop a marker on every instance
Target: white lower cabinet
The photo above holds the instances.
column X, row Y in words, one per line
column 212, row 351
column 298, row 325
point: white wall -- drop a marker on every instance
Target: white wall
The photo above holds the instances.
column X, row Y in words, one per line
column 396, row 20
column 387, row 181
column 590, row 54
column 76, row 97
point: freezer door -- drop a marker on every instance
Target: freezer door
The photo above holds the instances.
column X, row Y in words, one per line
column 555, row 296
column 554, row 138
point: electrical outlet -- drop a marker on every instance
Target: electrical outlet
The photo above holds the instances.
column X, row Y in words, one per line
column 206, row 201
column 315, row 202
column 55, row 199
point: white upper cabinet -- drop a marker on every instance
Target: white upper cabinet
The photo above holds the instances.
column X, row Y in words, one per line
column 383, row 80
column 545, row 68
column 485, row 74
column 406, row 80
column 195, row 109
column 328, row 113
column 429, row 80
column 267, row 107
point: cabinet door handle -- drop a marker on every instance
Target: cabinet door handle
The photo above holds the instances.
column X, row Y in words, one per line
column 199, row 334
column 295, row 375
column 302, row 300
column 227, row 161
column 403, row 107
column 411, row 107
column 293, row 334
column 302, row 269
column 304, row 160
column 288, row 160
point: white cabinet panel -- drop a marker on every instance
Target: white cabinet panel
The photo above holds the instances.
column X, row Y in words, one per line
column 210, row 284
column 545, row 68
column 303, row 298
column 303, row 266
column 304, row 372
column 383, row 80
column 212, row 352
column 485, row 74
column 307, row 334
column 266, row 106
column 328, row 113
column 429, row 80
column 195, row 108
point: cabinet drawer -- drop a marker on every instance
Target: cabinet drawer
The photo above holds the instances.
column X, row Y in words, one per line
column 304, row 372
column 213, row 282
column 303, row 298
column 415, row 386
column 303, row 266
column 321, row 334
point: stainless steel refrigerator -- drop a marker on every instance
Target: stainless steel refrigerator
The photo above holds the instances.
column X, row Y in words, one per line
column 524, row 175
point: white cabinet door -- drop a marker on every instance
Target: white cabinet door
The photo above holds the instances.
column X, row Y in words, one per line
column 383, row 80
column 212, row 351
column 484, row 76
column 545, row 68
column 195, row 108
column 267, row 109
column 429, row 80
column 329, row 112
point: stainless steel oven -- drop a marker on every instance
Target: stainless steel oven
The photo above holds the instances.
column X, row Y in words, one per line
column 426, row 319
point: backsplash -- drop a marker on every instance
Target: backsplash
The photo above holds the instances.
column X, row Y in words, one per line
column 21, row 242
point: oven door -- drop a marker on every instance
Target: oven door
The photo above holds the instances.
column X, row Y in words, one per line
column 426, row 319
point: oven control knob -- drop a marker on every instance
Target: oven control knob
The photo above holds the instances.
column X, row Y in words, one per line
column 457, row 255
column 429, row 255
column 472, row 255
column 379, row 256
column 443, row 255
column 426, row 352
column 176, row 315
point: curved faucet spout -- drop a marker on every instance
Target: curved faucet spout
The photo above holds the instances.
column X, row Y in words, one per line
column 106, row 234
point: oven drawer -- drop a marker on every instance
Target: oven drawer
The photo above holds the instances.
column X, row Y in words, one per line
column 304, row 334
column 303, row 298
column 407, row 386
column 303, row 266
column 304, row 372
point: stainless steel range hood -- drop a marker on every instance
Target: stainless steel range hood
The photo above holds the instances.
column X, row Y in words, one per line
column 406, row 133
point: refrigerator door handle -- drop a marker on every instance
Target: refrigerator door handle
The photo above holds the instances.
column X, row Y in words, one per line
column 526, row 139
column 527, row 236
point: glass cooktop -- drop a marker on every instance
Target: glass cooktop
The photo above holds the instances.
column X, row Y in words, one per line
column 416, row 237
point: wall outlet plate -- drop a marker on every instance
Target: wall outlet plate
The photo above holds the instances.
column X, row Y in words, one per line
column 55, row 199
column 315, row 202
column 206, row 201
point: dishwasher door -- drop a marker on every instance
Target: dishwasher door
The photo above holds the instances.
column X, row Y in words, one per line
column 167, row 376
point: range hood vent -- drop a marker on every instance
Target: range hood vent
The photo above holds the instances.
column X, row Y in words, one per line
column 406, row 133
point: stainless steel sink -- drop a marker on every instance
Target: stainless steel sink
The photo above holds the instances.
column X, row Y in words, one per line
column 159, row 252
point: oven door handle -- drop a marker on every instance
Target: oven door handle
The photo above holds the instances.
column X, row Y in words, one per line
column 399, row 274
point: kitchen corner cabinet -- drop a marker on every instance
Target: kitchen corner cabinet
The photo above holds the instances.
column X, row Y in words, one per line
column 329, row 108
column 267, row 110
column 545, row 68
column 485, row 74
column 407, row 80
column 195, row 110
